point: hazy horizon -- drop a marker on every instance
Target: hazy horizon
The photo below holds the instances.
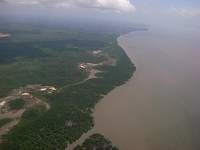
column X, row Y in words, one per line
column 150, row 12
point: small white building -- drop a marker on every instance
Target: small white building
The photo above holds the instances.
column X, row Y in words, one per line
column 26, row 94
column 52, row 88
column 83, row 66
column 43, row 89
column 2, row 103
column 96, row 52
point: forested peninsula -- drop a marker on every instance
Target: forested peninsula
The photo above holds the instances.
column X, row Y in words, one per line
column 51, row 78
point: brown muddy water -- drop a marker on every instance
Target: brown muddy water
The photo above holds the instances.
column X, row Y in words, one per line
column 158, row 109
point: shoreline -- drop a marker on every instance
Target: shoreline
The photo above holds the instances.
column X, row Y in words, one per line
column 92, row 131
column 146, row 113
column 80, row 111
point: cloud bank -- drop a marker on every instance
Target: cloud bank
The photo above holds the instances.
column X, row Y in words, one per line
column 116, row 5
column 186, row 12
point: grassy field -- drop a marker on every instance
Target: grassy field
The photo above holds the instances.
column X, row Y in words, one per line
column 50, row 56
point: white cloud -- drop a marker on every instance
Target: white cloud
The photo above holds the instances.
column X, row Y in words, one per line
column 116, row 5
column 186, row 12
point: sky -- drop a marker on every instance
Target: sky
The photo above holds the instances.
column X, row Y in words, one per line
column 141, row 11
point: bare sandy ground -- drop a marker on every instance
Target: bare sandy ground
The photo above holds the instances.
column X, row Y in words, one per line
column 4, row 35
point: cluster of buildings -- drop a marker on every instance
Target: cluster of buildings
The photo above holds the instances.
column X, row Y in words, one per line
column 89, row 66
column 48, row 89
column 25, row 93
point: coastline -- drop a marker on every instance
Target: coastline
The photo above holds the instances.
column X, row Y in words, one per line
column 74, row 111
column 86, row 135
column 160, row 99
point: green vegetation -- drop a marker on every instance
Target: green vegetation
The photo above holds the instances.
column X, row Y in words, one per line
column 97, row 142
column 35, row 59
column 16, row 104
column 4, row 121
column 33, row 113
